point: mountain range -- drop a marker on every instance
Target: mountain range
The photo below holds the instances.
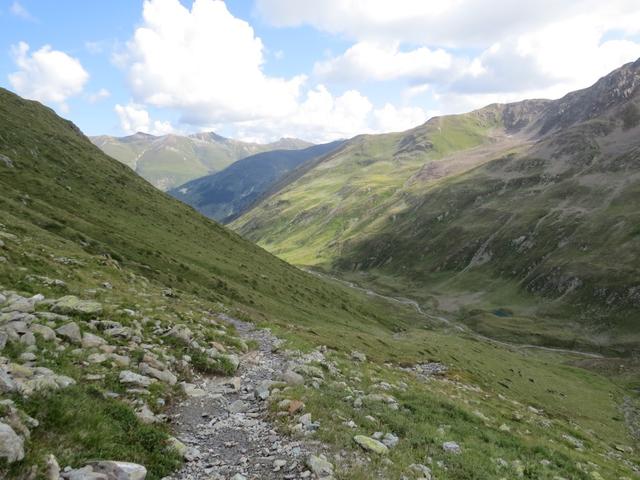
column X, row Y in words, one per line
column 519, row 218
column 170, row 160
column 134, row 329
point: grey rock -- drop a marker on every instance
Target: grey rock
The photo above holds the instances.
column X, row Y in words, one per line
column 11, row 444
column 28, row 339
column 163, row 375
column 181, row 332
column 89, row 340
column 45, row 332
column 390, row 440
column 262, row 390
column 452, row 447
column 84, row 473
column 53, row 469
column 292, row 378
column 238, row 406
column 70, row 331
column 132, row 378
column 146, row 416
column 320, row 466
column 358, row 356
column 71, row 304
column 422, row 470
column 120, row 470
column 7, row 385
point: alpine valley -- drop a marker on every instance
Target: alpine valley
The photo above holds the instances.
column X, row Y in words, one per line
column 457, row 301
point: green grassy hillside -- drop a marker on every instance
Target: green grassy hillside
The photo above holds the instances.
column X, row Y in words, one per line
column 311, row 218
column 171, row 160
column 526, row 207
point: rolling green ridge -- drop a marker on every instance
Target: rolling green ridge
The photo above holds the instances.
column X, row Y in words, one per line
column 170, row 160
column 528, row 207
column 227, row 194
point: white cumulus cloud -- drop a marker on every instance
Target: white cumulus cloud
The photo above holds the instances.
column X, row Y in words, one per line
column 47, row 75
column 208, row 66
column 371, row 61
column 135, row 118
column 205, row 63
column 544, row 48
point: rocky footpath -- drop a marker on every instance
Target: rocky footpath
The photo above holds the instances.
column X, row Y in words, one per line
column 225, row 429
column 139, row 360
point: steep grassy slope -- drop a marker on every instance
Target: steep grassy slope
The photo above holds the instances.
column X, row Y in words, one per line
column 227, row 194
column 69, row 212
column 170, row 160
column 527, row 207
column 317, row 211
column 558, row 220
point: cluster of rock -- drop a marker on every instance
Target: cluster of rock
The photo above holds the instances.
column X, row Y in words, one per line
column 138, row 348
column 225, row 428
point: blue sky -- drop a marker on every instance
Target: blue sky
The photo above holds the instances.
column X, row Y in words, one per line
column 262, row 69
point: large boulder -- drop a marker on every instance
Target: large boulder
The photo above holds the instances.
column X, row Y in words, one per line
column 70, row 304
column 11, row 444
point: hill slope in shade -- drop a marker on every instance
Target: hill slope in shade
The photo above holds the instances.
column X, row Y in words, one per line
column 529, row 206
column 227, row 194
column 170, row 160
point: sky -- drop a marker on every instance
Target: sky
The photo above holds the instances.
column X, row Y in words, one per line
column 259, row 70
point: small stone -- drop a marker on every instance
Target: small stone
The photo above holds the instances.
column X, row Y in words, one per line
column 452, row 447
column 320, row 466
column 178, row 446
column 238, row 406
column 358, row 356
column 146, row 416
column 262, row 390
column 371, row 444
column 422, row 470
column 278, row 465
column 390, row 440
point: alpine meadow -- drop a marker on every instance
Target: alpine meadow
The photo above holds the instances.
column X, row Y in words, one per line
column 347, row 240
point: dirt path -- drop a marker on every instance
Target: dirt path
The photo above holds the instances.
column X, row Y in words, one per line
column 227, row 430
